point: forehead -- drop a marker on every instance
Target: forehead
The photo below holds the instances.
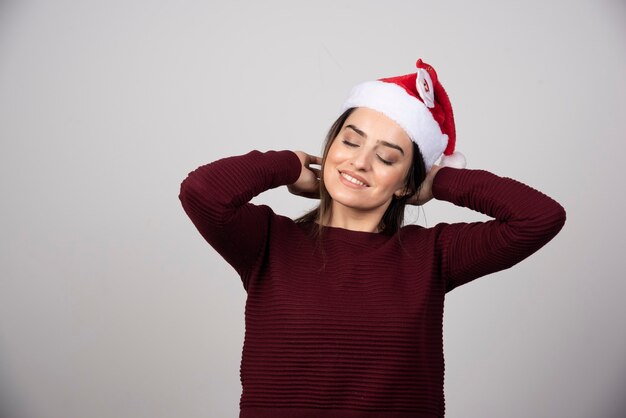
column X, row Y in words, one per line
column 378, row 126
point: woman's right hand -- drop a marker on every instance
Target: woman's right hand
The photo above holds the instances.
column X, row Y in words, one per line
column 308, row 184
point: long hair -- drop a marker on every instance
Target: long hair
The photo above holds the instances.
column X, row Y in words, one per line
column 393, row 217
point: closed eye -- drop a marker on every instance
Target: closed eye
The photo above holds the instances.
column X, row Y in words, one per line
column 384, row 161
column 353, row 145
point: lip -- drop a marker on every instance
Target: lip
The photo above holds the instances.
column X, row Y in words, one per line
column 349, row 183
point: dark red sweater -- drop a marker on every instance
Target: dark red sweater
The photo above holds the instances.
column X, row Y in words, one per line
column 352, row 326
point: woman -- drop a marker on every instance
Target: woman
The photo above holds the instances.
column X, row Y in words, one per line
column 344, row 311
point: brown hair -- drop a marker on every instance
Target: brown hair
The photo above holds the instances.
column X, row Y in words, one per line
column 393, row 217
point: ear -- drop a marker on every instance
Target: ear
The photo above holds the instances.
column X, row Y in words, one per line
column 401, row 192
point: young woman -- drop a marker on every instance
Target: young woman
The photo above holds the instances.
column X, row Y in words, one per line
column 344, row 308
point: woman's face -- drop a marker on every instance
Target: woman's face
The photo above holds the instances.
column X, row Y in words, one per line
column 367, row 162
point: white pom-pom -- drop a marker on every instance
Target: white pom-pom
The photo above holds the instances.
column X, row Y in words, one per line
column 456, row 160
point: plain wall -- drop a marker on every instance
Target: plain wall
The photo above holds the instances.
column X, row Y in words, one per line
column 112, row 305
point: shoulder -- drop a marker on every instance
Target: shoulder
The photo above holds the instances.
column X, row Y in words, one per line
column 413, row 231
column 425, row 239
column 284, row 226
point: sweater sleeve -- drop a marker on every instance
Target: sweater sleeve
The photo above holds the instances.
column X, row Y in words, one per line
column 216, row 197
column 524, row 221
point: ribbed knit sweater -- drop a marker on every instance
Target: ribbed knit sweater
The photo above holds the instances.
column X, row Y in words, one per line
column 351, row 324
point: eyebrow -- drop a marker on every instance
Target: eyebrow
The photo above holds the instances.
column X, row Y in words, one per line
column 383, row 142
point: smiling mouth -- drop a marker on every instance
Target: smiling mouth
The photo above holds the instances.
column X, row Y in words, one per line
column 352, row 180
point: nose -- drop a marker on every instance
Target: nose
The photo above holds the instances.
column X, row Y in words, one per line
column 362, row 160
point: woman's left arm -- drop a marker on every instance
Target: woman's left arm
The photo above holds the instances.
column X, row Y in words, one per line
column 524, row 221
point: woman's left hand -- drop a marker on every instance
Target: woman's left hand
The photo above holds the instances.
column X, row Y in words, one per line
column 425, row 193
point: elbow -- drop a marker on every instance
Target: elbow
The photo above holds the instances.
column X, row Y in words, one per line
column 193, row 194
column 560, row 216
column 202, row 200
column 540, row 225
column 551, row 221
column 555, row 217
column 187, row 190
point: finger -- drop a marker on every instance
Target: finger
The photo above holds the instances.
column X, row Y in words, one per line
column 316, row 160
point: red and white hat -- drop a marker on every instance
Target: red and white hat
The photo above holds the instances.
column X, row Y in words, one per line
column 419, row 104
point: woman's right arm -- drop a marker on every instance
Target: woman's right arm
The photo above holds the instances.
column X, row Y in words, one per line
column 216, row 198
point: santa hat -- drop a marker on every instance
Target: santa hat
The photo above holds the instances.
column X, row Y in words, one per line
column 419, row 104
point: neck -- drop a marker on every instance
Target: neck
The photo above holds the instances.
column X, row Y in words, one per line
column 353, row 219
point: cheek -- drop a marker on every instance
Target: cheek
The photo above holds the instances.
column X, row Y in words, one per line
column 393, row 178
column 337, row 153
column 328, row 168
column 325, row 173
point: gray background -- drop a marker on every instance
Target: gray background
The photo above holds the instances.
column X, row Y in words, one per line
column 111, row 305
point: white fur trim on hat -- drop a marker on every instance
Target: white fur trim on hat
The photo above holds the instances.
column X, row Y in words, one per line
column 454, row 160
column 407, row 111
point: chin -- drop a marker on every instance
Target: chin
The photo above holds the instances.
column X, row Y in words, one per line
column 361, row 200
column 363, row 203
